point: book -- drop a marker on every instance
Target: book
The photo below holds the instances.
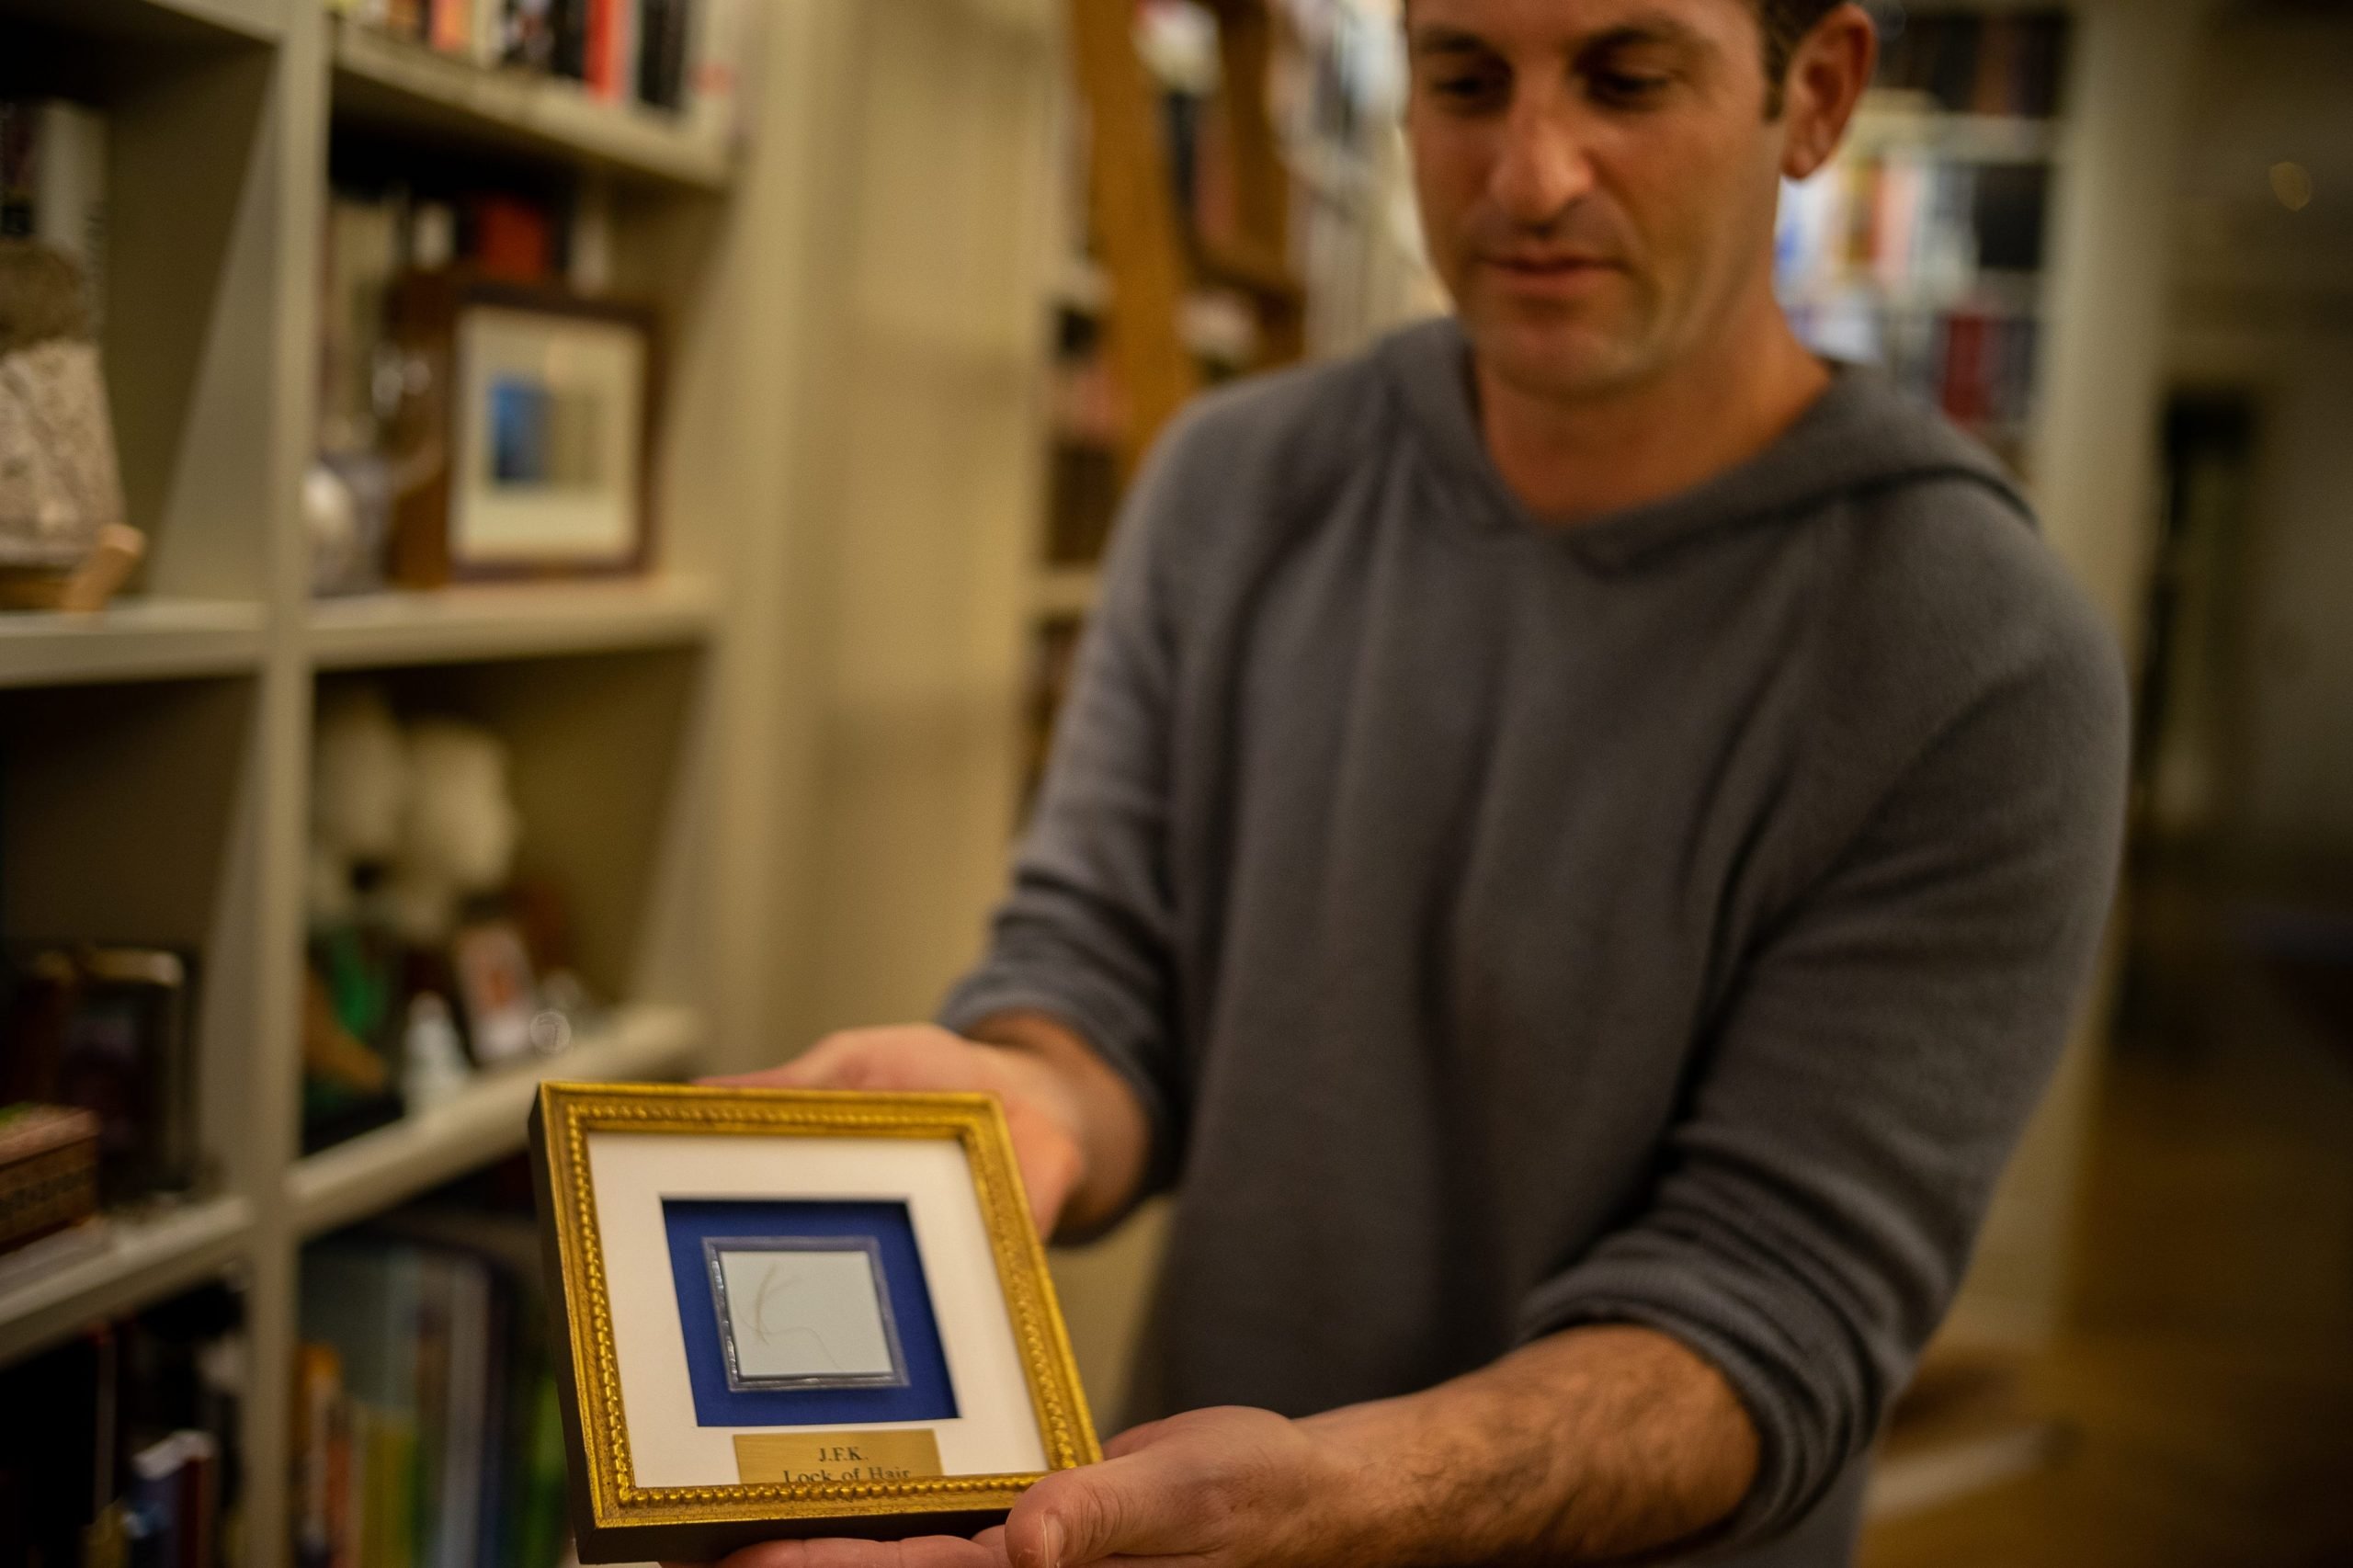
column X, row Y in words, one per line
column 489, row 31
column 449, row 26
column 2007, row 212
column 568, row 21
column 528, row 34
column 599, row 66
column 318, row 1394
column 445, row 1390
column 110, row 1030
column 720, row 40
column 175, row 1500
column 2012, row 65
column 663, row 29
column 133, row 1461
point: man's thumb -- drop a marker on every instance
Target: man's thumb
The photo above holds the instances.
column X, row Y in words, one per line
column 1070, row 1518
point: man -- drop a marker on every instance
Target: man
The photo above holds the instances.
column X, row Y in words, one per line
column 1572, row 850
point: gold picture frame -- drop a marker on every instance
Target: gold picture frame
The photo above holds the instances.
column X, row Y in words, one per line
column 616, row 1518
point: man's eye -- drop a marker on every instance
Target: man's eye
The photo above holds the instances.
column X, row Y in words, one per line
column 1627, row 88
column 1467, row 87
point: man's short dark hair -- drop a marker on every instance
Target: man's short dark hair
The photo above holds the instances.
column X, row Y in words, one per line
column 1784, row 22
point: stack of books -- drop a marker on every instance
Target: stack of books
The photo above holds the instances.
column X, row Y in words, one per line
column 663, row 54
column 2010, row 64
column 428, row 1430
column 119, row 1449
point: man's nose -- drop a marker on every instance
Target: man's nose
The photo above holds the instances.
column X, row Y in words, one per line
column 1544, row 165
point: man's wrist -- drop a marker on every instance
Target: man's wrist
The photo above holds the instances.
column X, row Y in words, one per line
column 1383, row 1500
column 1588, row 1445
column 1086, row 1099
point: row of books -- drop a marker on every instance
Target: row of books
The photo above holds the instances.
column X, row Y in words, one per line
column 53, row 184
column 1911, row 226
column 2006, row 64
column 428, row 1430
column 1977, row 365
column 660, row 53
column 118, row 1449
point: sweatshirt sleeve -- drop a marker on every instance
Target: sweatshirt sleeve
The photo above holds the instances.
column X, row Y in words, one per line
column 1085, row 934
column 1860, row 1090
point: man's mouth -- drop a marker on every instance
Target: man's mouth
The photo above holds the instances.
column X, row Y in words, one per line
column 1550, row 265
column 1550, row 277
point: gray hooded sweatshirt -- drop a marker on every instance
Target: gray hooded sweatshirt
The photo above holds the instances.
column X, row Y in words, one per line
column 1668, row 920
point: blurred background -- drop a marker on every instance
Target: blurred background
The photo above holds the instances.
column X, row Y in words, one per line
column 558, row 542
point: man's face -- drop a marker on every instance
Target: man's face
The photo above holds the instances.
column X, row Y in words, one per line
column 1597, row 179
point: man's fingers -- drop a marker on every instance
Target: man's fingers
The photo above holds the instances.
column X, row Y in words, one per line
column 1134, row 1437
column 925, row 1551
column 1133, row 1505
column 835, row 1063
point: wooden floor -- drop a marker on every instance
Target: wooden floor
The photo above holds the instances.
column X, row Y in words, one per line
column 2206, row 1385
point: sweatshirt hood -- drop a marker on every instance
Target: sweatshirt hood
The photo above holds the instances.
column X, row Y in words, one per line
column 1861, row 435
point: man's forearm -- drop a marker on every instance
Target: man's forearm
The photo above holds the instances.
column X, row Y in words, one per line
column 1591, row 1446
column 1113, row 1135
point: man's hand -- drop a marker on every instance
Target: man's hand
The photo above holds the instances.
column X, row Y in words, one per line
column 1043, row 1110
column 1225, row 1488
column 1591, row 1446
column 1216, row 1488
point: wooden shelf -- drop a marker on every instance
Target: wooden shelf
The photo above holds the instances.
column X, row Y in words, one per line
column 380, row 1170
column 387, row 80
column 456, row 625
column 162, row 21
column 140, row 1261
column 132, row 640
column 1995, row 292
column 1967, row 138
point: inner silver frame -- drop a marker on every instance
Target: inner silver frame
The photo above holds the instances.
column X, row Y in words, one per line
column 736, row 1381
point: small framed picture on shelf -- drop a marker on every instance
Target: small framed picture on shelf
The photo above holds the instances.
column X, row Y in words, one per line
column 497, row 990
column 538, row 404
column 795, row 1313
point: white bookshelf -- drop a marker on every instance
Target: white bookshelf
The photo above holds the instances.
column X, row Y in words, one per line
column 155, row 784
column 145, row 639
column 1890, row 121
column 454, row 625
column 713, row 760
column 386, row 80
column 134, row 1260
column 168, row 20
column 485, row 1122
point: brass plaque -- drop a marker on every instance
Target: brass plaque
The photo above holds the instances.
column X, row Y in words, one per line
column 763, row 1458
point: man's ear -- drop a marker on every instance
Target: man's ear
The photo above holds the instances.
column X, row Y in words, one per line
column 1829, row 71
